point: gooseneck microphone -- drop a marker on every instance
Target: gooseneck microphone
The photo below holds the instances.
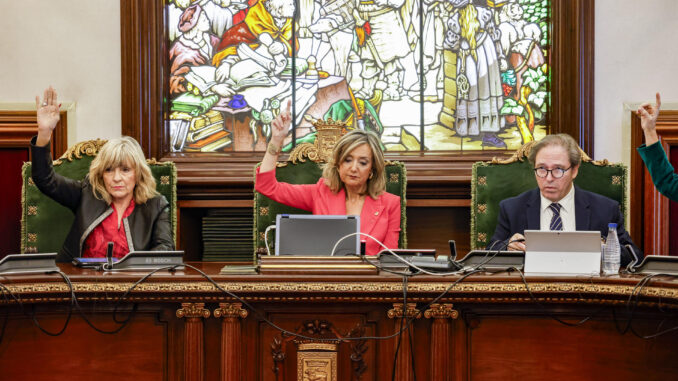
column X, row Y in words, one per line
column 109, row 255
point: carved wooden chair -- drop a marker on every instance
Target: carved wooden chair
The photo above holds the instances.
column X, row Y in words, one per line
column 45, row 223
column 304, row 166
column 494, row 181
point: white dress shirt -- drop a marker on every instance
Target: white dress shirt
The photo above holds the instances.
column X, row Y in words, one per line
column 567, row 214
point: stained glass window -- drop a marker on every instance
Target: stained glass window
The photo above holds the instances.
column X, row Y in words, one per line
column 453, row 75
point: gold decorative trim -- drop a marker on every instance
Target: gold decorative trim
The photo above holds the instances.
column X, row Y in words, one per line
column 164, row 180
column 263, row 210
column 173, row 290
column 32, row 210
column 394, row 178
column 314, row 346
column 482, row 180
column 31, row 182
column 441, row 311
column 193, row 310
column 616, row 180
column 304, row 151
column 31, row 249
column 482, row 208
column 32, row 237
column 398, row 311
column 230, row 310
column 88, row 148
column 482, row 237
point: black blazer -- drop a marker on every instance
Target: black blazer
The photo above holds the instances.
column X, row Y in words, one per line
column 592, row 212
column 147, row 228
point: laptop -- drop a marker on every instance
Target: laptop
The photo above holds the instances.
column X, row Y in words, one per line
column 561, row 252
column 316, row 235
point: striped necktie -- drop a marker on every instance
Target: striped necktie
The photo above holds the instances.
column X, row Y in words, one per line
column 556, row 221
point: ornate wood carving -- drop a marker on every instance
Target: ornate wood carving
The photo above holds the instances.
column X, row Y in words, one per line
column 404, row 370
column 144, row 92
column 231, row 343
column 324, row 334
column 194, row 358
column 317, row 361
column 649, row 213
column 441, row 337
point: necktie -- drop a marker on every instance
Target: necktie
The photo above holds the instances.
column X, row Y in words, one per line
column 556, row 221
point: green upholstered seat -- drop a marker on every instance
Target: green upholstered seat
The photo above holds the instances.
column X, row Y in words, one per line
column 301, row 170
column 45, row 223
column 492, row 182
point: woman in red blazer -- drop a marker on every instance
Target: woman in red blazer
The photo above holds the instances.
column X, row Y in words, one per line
column 353, row 183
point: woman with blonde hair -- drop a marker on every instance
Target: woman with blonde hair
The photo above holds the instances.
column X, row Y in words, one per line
column 353, row 183
column 116, row 202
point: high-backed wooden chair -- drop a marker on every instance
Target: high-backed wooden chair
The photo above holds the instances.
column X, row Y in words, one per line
column 45, row 223
column 496, row 180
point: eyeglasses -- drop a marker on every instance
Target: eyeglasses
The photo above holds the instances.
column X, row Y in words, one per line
column 555, row 172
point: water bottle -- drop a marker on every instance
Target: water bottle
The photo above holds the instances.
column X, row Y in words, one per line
column 611, row 253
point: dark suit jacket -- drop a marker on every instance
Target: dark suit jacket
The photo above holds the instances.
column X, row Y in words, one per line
column 592, row 212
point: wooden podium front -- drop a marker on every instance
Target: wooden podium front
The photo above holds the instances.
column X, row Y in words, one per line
column 486, row 327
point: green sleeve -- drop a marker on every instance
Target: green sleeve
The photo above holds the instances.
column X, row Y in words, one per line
column 661, row 170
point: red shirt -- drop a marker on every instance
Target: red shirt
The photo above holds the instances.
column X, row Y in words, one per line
column 107, row 231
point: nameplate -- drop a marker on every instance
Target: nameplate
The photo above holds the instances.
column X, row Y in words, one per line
column 657, row 264
column 147, row 260
column 493, row 260
column 28, row 263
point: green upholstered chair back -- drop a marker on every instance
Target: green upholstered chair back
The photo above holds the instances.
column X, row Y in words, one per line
column 492, row 182
column 45, row 223
column 301, row 169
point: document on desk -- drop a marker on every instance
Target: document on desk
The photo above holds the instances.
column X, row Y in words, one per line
column 561, row 252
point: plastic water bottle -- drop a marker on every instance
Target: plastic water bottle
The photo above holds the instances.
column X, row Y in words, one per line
column 611, row 254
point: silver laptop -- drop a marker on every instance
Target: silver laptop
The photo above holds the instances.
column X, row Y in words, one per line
column 316, row 235
column 561, row 252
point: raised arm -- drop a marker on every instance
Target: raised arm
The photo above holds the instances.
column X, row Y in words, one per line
column 648, row 120
column 280, row 126
column 65, row 191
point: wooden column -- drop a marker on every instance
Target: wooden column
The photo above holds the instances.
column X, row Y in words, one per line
column 441, row 333
column 194, row 357
column 231, row 343
column 404, row 371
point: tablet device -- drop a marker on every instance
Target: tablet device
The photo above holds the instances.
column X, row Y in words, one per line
column 316, row 235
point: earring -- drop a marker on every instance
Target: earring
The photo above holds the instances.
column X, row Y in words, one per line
column 371, row 175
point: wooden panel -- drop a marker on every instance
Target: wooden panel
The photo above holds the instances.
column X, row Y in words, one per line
column 500, row 333
column 649, row 210
column 16, row 130
column 590, row 351
column 137, row 351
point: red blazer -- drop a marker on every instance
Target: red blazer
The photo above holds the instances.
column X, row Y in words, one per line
column 379, row 218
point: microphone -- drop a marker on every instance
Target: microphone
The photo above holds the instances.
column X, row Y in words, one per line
column 109, row 255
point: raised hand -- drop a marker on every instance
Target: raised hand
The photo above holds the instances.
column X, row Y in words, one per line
column 48, row 115
column 648, row 120
column 281, row 125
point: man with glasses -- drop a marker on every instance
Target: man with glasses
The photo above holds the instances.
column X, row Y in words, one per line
column 557, row 204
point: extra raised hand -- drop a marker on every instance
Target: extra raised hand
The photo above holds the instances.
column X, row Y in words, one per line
column 281, row 125
column 48, row 115
column 648, row 120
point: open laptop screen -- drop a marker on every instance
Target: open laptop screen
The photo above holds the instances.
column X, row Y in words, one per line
column 316, row 235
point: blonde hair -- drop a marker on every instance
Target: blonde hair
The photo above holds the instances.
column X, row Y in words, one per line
column 124, row 151
column 376, row 184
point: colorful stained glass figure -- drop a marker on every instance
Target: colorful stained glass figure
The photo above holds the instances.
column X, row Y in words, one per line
column 423, row 74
